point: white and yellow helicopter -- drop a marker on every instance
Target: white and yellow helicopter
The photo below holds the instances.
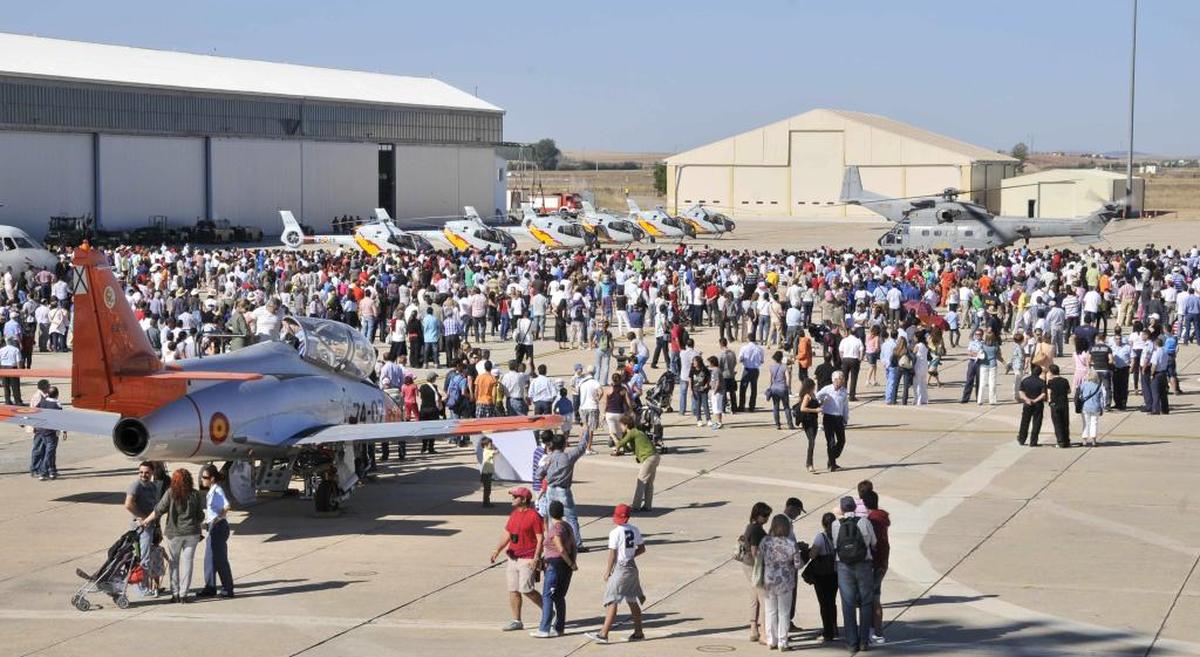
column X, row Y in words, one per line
column 552, row 231
column 658, row 224
column 372, row 238
column 707, row 222
column 610, row 229
column 464, row 234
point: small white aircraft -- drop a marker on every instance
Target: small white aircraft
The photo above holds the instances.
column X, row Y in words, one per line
column 20, row 252
column 657, row 223
column 707, row 222
column 372, row 238
column 614, row 230
column 553, row 231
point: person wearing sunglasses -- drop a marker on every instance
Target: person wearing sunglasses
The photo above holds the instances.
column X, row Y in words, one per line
column 216, row 552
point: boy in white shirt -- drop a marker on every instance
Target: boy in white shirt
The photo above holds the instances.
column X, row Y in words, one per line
column 625, row 543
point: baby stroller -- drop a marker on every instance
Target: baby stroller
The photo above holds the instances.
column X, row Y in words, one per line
column 653, row 402
column 114, row 575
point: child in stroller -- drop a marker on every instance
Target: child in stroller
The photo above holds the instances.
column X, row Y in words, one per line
column 652, row 403
column 112, row 577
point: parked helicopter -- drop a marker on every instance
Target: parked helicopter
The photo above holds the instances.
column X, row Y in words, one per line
column 657, row 223
column 707, row 222
column 553, row 231
column 467, row 233
column 940, row 222
column 372, row 238
column 609, row 228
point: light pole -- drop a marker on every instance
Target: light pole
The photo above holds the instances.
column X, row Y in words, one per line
column 1132, row 81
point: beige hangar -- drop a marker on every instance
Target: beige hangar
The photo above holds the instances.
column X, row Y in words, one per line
column 1066, row 192
column 795, row 167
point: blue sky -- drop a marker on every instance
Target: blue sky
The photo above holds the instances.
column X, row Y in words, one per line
column 666, row 76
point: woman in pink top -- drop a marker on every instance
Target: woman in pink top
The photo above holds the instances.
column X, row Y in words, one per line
column 1083, row 360
column 409, row 393
column 872, row 348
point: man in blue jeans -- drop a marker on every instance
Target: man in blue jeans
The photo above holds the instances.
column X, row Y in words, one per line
column 855, row 574
column 559, row 472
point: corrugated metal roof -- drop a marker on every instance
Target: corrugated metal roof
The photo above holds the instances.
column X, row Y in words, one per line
column 913, row 132
column 38, row 57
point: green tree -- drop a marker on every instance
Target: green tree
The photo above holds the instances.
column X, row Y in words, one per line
column 546, row 154
column 1021, row 152
column 660, row 178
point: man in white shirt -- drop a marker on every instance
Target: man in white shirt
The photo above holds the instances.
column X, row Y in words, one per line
column 267, row 320
column 685, row 371
column 589, row 403
column 835, row 413
column 10, row 358
column 542, row 392
column 751, row 357
column 851, row 349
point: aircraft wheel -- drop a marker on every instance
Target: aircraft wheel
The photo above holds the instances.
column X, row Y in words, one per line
column 325, row 497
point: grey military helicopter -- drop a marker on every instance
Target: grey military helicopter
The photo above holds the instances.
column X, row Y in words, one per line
column 944, row 222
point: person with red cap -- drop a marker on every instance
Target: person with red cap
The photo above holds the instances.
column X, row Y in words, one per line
column 625, row 543
column 522, row 544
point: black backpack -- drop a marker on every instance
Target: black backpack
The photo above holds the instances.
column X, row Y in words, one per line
column 851, row 546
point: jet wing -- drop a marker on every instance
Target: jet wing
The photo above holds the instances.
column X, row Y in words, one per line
column 165, row 375
column 76, row 421
column 343, row 433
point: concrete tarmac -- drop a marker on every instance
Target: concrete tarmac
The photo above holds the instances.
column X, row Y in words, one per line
column 997, row 549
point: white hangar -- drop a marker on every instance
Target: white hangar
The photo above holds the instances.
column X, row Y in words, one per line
column 125, row 134
column 795, row 167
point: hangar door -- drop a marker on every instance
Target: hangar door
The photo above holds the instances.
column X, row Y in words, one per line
column 817, row 161
column 704, row 185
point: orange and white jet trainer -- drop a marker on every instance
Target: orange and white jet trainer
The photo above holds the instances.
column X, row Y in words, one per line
column 294, row 406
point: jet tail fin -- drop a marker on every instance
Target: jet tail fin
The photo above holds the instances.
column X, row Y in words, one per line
column 112, row 352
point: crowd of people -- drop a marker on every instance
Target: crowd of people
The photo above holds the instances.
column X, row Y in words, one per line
column 817, row 329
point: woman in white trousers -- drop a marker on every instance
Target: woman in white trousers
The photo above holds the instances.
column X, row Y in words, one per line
column 1091, row 394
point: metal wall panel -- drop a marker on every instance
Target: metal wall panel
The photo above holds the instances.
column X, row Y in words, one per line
column 338, row 179
column 427, row 181
column 817, row 168
column 145, row 176
column 42, row 175
column 252, row 179
column 476, row 171
column 60, row 105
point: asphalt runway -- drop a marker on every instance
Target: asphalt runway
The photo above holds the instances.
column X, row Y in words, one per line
column 996, row 549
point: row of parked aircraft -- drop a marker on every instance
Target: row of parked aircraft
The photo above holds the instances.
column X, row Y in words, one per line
column 552, row 231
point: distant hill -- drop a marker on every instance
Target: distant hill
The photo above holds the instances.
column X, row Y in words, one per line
column 613, row 157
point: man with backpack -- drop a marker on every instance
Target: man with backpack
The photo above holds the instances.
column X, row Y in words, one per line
column 854, row 541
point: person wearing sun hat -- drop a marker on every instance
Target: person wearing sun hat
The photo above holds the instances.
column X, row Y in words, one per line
column 625, row 543
column 522, row 544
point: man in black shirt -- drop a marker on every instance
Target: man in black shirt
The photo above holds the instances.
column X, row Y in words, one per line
column 1059, row 392
column 1102, row 363
column 1033, row 399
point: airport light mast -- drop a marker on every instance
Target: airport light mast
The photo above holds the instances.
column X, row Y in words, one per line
column 1132, row 81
